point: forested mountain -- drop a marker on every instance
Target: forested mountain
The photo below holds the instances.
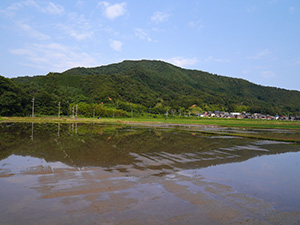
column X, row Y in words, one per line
column 13, row 100
column 143, row 86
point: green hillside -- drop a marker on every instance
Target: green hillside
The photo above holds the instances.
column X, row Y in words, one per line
column 13, row 100
column 144, row 86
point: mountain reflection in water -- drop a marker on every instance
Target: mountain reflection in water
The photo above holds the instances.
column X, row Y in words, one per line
column 86, row 145
column 120, row 174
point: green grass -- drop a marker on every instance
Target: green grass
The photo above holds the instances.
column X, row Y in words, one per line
column 294, row 126
column 243, row 123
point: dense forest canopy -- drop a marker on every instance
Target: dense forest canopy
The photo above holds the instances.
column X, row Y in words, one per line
column 143, row 87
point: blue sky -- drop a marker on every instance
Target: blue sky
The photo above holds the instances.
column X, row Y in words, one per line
column 257, row 40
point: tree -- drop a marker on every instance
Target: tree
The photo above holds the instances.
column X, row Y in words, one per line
column 12, row 99
column 10, row 104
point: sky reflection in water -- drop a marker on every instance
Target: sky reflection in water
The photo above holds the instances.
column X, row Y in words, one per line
column 69, row 170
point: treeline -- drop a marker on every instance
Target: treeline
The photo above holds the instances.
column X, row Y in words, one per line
column 142, row 87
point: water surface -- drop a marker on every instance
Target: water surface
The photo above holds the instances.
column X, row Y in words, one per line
column 104, row 174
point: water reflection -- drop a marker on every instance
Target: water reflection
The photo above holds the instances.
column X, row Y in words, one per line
column 82, row 145
column 93, row 173
column 31, row 132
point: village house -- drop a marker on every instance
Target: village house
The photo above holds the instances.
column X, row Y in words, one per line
column 245, row 115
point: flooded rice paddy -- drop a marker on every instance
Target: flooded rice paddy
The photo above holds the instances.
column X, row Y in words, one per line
column 120, row 174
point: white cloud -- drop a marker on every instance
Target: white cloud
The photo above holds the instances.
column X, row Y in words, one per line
column 10, row 10
column 212, row 59
column 77, row 26
column 116, row 45
column 54, row 57
column 14, row 7
column 159, row 17
column 187, row 62
column 31, row 31
column 251, row 9
column 22, row 24
column 273, row 1
column 268, row 74
column 111, row 31
column 155, row 29
column 142, row 34
column 79, row 3
column 292, row 9
column 48, row 8
column 196, row 24
column 18, row 5
column 76, row 32
column 80, row 35
column 113, row 11
column 183, row 62
column 53, row 9
column 260, row 54
column 21, row 52
column 245, row 71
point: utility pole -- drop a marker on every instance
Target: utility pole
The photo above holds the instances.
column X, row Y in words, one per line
column 31, row 131
column 32, row 115
column 173, row 111
column 58, row 129
column 73, row 111
column 59, row 109
column 76, row 111
column 167, row 113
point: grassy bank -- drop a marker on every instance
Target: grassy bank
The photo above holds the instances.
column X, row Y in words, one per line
column 293, row 126
column 242, row 123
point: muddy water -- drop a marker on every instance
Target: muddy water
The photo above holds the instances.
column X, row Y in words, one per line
column 103, row 174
